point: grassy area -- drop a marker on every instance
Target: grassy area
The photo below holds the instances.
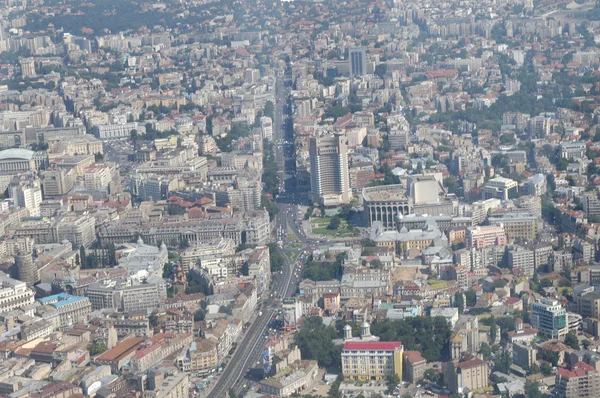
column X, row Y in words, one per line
column 294, row 256
column 437, row 284
column 294, row 246
column 319, row 226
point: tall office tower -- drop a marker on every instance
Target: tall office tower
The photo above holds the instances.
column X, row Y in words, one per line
column 329, row 177
column 26, row 269
column 28, row 67
column 358, row 62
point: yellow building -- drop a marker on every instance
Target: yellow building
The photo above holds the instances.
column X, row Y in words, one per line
column 372, row 360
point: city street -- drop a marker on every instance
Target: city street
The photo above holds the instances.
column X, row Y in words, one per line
column 250, row 349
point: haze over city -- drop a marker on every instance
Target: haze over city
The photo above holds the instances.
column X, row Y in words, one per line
column 265, row 198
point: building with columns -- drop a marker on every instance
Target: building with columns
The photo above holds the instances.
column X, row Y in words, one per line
column 385, row 203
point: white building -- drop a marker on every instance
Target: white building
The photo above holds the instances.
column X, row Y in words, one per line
column 266, row 128
column 27, row 194
column 14, row 294
column 122, row 130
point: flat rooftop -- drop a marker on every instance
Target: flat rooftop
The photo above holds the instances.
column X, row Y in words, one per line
column 385, row 193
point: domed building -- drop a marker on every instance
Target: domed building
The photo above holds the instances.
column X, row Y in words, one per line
column 20, row 160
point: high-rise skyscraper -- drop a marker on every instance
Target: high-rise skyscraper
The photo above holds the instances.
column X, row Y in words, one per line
column 26, row 268
column 329, row 178
column 358, row 62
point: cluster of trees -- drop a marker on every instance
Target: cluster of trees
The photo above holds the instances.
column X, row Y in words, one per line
column 315, row 342
column 269, row 178
column 388, row 177
column 238, row 130
column 199, row 315
column 201, row 286
column 175, row 210
column 125, row 15
column 428, row 335
column 226, row 309
column 491, row 117
column 99, row 258
column 459, row 302
column 324, row 271
column 151, row 134
column 269, row 110
column 277, row 260
column 334, row 223
column 98, row 349
column 268, row 204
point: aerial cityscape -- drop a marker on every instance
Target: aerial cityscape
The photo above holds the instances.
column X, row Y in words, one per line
column 291, row 198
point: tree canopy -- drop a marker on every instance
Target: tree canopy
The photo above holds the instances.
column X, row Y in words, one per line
column 428, row 335
column 315, row 341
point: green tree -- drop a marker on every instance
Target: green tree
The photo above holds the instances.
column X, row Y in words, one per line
column 459, row 302
column 315, row 342
column 199, row 315
column 507, row 139
column 269, row 109
column 486, row 351
column 546, row 369
column 428, row 335
column 572, row 341
column 562, row 164
column 393, row 381
column 502, row 364
column 133, row 134
column 532, row 390
column 493, row 330
column 471, row 298
column 83, row 257
column 451, row 184
column 334, row 223
column 98, row 349
column 277, row 260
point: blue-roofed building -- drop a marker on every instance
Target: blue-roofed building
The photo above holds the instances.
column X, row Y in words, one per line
column 71, row 309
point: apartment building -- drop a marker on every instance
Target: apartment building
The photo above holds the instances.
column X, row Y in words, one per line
column 521, row 260
column 200, row 357
column 57, row 182
column 80, row 230
column 517, row 225
column 582, row 380
column 536, row 185
column 98, row 176
column 368, row 360
column 480, row 237
column 586, row 301
column 14, row 294
column 157, row 348
column 169, row 385
column 472, row 374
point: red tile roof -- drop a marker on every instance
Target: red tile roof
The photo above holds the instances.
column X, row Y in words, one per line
column 372, row 345
column 470, row 363
column 414, row 356
column 580, row 369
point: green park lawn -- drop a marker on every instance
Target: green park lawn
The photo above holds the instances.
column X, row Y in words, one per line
column 319, row 226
